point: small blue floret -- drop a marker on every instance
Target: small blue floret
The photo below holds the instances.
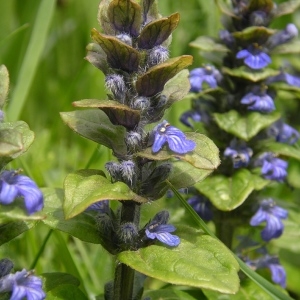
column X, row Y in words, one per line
column 162, row 233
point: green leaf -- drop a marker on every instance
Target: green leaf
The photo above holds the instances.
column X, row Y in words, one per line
column 253, row 34
column 4, row 85
column 245, row 127
column 177, row 87
column 292, row 47
column 207, row 44
column 83, row 226
column 285, row 8
column 150, row 9
column 125, row 16
column 184, row 174
column 118, row 114
column 228, row 193
column 86, row 187
column 281, row 149
column 225, row 9
column 153, row 81
column 252, row 75
column 66, row 291
column 248, row 290
column 94, row 125
column 103, row 18
column 199, row 261
column 205, row 156
column 167, row 294
column 15, row 139
column 119, row 55
column 10, row 230
column 55, row 279
column 156, row 32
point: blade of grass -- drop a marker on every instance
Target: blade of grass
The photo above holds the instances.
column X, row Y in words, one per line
column 31, row 58
column 259, row 280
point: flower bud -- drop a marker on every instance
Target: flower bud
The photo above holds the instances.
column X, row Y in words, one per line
column 133, row 140
column 114, row 170
column 128, row 233
column 259, row 18
column 158, row 55
column 141, row 103
column 283, row 36
column 6, row 266
column 128, row 171
column 125, row 38
column 115, row 83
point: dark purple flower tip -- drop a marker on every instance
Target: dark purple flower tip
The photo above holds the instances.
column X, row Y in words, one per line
column 175, row 138
column 13, row 185
column 128, row 232
column 254, row 57
column 125, row 38
column 239, row 153
column 141, row 103
column 191, row 114
column 162, row 233
column 272, row 214
column 115, row 83
column 273, row 168
column 128, row 170
column 100, row 206
column 114, row 169
column 261, row 102
column 22, row 285
column 283, row 133
column 202, row 206
column 208, row 74
column 282, row 36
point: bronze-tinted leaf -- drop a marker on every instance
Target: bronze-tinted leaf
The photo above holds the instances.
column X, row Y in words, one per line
column 119, row 55
column 103, row 18
column 125, row 16
column 156, row 32
column 286, row 8
column 264, row 5
column 153, row 81
column 254, row 34
column 225, row 9
column 97, row 57
column 117, row 113
column 149, row 7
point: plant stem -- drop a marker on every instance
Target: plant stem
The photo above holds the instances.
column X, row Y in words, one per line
column 124, row 275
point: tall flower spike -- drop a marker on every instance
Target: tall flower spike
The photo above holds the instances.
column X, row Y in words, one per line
column 23, row 285
column 254, row 57
column 177, row 141
column 272, row 214
column 13, row 185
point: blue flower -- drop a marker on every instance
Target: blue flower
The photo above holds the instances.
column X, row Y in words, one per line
column 272, row 214
column 191, row 114
column 100, row 206
column 283, row 133
column 13, row 185
column 260, row 102
column 22, row 285
column 162, row 233
column 288, row 78
column 208, row 74
column 282, row 36
column 239, row 153
column 273, row 168
column 254, row 57
column 272, row 263
column 165, row 133
column 202, row 206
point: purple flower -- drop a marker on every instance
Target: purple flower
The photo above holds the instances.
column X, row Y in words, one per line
column 165, row 133
column 100, row 206
column 162, row 233
column 273, row 168
column 202, row 206
column 288, row 78
column 254, row 57
column 283, row 36
column 13, row 185
column 272, row 214
column 272, row 263
column 259, row 101
column 208, row 74
column 240, row 154
column 1, row 116
column 283, row 133
column 191, row 114
column 22, row 285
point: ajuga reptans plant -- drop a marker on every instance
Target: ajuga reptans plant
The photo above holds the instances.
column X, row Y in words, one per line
column 234, row 101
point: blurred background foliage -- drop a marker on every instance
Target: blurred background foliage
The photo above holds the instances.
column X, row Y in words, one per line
column 43, row 48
